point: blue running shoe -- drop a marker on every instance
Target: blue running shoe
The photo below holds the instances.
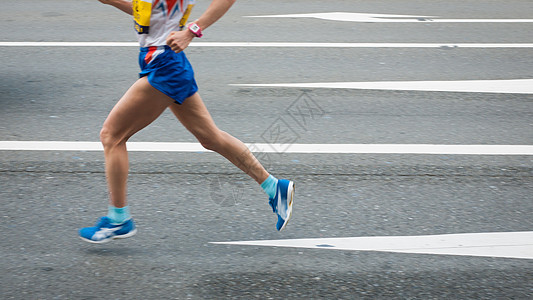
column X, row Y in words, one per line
column 282, row 203
column 104, row 231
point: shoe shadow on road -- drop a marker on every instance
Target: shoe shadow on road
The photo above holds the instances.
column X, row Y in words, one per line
column 111, row 250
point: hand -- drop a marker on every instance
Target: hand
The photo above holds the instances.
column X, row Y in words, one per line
column 179, row 40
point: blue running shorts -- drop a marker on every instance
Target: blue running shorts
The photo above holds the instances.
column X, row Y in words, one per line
column 168, row 71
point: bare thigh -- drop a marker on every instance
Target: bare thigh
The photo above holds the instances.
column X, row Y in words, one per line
column 196, row 118
column 139, row 107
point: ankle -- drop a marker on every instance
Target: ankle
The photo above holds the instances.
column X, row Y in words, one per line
column 118, row 215
column 270, row 186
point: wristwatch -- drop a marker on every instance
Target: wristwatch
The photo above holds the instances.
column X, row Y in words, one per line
column 194, row 28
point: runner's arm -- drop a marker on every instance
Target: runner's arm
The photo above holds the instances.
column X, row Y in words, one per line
column 123, row 5
column 215, row 11
column 179, row 40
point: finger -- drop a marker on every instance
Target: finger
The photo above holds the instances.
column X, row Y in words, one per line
column 170, row 40
column 176, row 48
column 170, row 37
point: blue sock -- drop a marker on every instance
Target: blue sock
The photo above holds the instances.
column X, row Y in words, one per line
column 118, row 215
column 270, row 186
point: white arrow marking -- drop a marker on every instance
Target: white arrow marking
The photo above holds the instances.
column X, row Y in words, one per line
column 495, row 244
column 512, row 86
column 387, row 18
column 281, row 148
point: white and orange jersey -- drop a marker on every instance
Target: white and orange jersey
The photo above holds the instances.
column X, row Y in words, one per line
column 155, row 19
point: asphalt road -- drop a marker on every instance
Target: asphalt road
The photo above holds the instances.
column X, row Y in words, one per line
column 183, row 201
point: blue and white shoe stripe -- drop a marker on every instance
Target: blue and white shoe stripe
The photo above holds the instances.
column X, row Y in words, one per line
column 105, row 232
column 282, row 202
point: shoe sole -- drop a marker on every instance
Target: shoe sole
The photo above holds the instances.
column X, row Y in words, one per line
column 122, row 236
column 290, row 195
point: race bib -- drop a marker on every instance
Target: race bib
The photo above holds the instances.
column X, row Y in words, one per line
column 142, row 11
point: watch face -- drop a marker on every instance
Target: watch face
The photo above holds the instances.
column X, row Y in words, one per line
column 194, row 28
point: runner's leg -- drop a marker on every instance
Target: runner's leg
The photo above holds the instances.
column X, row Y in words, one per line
column 139, row 107
column 194, row 116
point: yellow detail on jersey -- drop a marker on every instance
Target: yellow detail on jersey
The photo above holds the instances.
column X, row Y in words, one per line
column 186, row 15
column 142, row 11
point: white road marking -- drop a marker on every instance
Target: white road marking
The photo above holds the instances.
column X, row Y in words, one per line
column 387, row 18
column 281, row 148
column 491, row 244
column 513, row 86
column 277, row 45
column 69, row 44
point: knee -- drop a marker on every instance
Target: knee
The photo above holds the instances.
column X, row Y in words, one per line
column 212, row 141
column 108, row 138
